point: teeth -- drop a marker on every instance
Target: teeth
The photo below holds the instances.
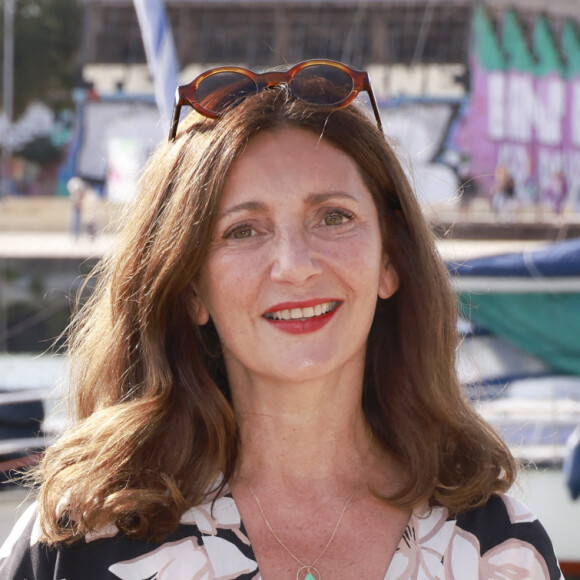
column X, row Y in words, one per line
column 302, row 313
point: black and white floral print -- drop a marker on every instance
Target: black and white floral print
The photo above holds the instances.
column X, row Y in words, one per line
column 500, row 541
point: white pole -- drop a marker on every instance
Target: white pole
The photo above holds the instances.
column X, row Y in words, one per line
column 160, row 51
column 7, row 105
column 8, row 91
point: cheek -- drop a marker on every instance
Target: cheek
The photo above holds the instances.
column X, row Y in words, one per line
column 361, row 263
column 226, row 285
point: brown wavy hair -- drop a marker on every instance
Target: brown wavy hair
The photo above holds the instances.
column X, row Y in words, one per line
column 153, row 429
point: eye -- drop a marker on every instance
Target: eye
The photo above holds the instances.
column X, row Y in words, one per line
column 240, row 232
column 337, row 217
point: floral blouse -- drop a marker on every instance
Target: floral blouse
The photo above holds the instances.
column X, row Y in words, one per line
column 499, row 541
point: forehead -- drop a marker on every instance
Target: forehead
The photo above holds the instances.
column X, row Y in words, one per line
column 291, row 159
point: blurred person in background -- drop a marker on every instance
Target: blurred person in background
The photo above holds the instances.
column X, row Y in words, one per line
column 76, row 189
column 85, row 204
column 263, row 382
column 503, row 202
column 557, row 192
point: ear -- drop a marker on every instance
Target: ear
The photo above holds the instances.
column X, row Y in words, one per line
column 197, row 309
column 388, row 281
column 200, row 312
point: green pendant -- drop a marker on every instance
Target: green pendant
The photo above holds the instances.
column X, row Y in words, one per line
column 311, row 573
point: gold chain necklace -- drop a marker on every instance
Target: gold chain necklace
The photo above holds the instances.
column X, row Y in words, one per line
column 310, row 572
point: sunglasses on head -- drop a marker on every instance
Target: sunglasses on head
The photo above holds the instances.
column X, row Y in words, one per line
column 326, row 84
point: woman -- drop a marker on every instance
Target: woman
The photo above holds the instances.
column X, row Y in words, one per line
column 273, row 343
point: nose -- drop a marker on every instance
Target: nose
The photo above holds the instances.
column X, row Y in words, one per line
column 294, row 261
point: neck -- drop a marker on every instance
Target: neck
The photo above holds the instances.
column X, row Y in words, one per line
column 302, row 435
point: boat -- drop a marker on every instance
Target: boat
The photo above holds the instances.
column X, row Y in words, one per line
column 519, row 362
column 31, row 417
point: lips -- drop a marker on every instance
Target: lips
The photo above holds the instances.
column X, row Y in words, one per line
column 298, row 318
column 303, row 312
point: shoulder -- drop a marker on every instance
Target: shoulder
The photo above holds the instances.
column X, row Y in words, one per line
column 503, row 518
column 208, row 542
column 20, row 551
column 501, row 539
column 505, row 532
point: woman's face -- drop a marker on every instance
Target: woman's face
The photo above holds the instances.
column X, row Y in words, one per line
column 296, row 262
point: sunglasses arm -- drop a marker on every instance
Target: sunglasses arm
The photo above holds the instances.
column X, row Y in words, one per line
column 375, row 107
column 174, row 119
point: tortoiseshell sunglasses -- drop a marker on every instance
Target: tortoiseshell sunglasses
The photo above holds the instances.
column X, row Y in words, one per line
column 323, row 83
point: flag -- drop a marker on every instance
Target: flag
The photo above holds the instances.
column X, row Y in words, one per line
column 160, row 52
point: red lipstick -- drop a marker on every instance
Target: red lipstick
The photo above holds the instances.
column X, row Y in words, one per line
column 302, row 325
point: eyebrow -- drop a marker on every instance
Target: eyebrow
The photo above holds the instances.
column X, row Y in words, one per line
column 311, row 199
column 245, row 206
column 315, row 198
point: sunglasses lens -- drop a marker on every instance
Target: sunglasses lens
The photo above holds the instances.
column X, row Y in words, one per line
column 219, row 91
column 322, row 84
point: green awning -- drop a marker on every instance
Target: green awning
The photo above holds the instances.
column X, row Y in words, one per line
column 546, row 325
